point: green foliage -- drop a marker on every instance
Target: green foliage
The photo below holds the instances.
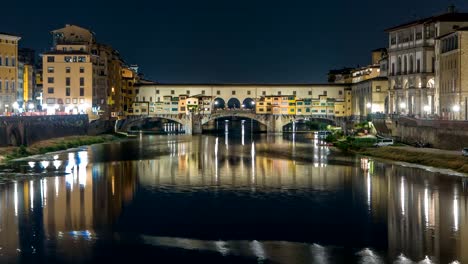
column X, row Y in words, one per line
column 315, row 125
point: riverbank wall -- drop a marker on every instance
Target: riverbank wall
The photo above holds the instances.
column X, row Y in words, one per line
column 26, row 130
column 443, row 134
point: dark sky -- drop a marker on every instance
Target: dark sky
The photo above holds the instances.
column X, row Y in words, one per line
column 240, row 41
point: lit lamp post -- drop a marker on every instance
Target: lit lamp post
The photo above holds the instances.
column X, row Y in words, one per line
column 427, row 109
column 369, row 110
column 456, row 109
column 15, row 107
column 402, row 107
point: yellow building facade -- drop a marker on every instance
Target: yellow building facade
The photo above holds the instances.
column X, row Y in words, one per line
column 8, row 72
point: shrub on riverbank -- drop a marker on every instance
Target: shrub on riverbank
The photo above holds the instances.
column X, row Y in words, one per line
column 52, row 145
column 456, row 163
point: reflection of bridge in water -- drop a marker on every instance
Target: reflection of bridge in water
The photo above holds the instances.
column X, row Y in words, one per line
column 193, row 123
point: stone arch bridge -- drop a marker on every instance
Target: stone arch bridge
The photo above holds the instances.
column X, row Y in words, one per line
column 193, row 123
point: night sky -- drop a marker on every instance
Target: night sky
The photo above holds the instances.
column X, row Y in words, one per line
column 238, row 41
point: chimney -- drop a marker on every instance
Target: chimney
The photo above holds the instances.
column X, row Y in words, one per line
column 451, row 9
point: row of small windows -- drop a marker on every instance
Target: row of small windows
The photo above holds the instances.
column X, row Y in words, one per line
column 6, row 86
column 218, row 92
column 7, row 62
column 67, row 70
column 67, row 101
column 67, row 80
column 51, row 90
column 7, row 41
column 449, row 44
column 68, row 58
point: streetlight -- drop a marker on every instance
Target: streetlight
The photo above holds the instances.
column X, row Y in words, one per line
column 15, row 106
column 402, row 107
column 456, row 109
column 30, row 107
column 426, row 109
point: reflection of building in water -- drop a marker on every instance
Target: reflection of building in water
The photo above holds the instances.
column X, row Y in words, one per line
column 427, row 215
column 9, row 240
column 206, row 161
column 71, row 206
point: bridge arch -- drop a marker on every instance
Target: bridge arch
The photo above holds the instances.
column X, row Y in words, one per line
column 234, row 103
column 219, row 103
column 248, row 103
column 15, row 137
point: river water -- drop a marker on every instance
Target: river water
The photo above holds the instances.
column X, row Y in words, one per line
column 228, row 199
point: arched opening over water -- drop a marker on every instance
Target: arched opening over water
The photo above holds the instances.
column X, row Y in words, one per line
column 248, row 103
column 234, row 103
column 218, row 103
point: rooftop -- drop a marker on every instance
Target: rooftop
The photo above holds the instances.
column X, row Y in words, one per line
column 446, row 17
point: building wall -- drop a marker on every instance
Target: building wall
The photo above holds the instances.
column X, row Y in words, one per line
column 452, row 76
column 54, row 90
column 8, row 72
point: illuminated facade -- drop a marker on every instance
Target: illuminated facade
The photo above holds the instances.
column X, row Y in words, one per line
column 452, row 74
column 8, row 72
column 413, row 83
column 81, row 75
column 305, row 100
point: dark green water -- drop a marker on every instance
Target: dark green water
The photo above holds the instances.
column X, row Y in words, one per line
column 229, row 199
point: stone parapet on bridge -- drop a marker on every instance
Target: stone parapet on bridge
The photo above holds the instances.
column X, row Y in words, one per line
column 26, row 130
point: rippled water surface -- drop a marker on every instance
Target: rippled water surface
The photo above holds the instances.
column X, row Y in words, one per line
column 228, row 199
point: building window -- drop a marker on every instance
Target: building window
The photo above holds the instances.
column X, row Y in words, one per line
column 324, row 92
column 67, row 101
column 50, row 80
column 7, row 62
column 377, row 88
column 203, row 92
column 0, row 85
column 82, row 81
column 151, row 98
column 6, row 85
column 75, row 101
column 67, row 69
column 50, row 59
column 67, row 81
column 418, row 66
column 81, row 91
column 248, row 92
column 50, row 69
column 81, row 69
column 310, row 92
column 157, row 91
column 1, row 60
column 233, row 92
column 50, row 90
column 218, row 92
column 81, row 100
column 263, row 92
column 172, row 92
column 279, row 93
column 12, row 85
column 13, row 61
column 188, row 91
column 294, row 92
column 67, row 91
column 340, row 92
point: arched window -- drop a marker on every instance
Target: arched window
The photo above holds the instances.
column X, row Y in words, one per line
column 1, row 85
column 405, row 64
column 12, row 85
column 6, row 85
column 410, row 68
column 399, row 65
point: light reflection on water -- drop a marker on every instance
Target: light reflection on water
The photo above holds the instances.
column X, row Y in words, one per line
column 283, row 199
